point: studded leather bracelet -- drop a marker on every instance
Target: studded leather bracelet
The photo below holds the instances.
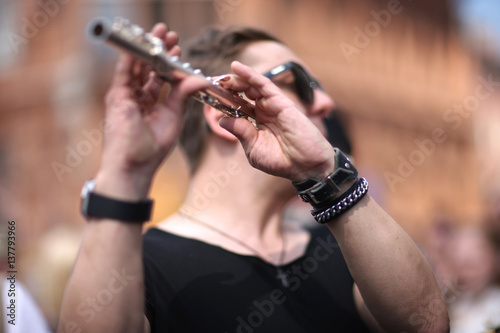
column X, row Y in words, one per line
column 322, row 194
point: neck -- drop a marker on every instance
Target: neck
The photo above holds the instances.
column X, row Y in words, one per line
column 232, row 195
column 234, row 206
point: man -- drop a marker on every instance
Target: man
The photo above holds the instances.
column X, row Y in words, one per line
column 226, row 262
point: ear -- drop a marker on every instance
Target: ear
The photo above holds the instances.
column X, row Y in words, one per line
column 212, row 117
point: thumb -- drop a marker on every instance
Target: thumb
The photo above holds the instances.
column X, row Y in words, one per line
column 244, row 130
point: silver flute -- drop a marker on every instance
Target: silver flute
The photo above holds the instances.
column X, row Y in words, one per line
column 134, row 40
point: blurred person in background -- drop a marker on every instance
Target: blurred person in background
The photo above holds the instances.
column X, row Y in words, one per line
column 49, row 266
column 437, row 250
column 225, row 262
column 474, row 258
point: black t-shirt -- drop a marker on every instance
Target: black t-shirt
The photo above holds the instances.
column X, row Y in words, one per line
column 192, row 286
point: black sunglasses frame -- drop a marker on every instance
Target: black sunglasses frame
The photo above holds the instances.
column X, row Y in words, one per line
column 304, row 82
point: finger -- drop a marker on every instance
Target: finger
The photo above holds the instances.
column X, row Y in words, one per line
column 175, row 51
column 171, row 39
column 153, row 85
column 268, row 97
column 142, row 71
column 242, row 129
column 179, row 93
column 263, row 86
column 253, row 93
column 232, row 82
column 239, row 84
column 123, row 70
column 159, row 30
column 138, row 68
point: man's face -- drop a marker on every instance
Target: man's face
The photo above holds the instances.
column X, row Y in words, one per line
column 290, row 74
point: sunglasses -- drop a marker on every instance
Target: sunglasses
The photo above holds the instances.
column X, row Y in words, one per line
column 302, row 80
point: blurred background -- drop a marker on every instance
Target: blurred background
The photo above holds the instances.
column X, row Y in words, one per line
column 417, row 85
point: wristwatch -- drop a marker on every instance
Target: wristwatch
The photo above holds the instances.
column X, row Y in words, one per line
column 94, row 205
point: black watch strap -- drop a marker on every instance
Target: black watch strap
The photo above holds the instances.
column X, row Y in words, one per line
column 99, row 206
column 320, row 192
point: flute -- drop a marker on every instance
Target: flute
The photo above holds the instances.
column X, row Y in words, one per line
column 134, row 40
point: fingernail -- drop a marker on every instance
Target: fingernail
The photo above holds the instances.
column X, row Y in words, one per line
column 220, row 79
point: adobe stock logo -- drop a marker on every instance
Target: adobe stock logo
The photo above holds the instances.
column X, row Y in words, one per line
column 372, row 29
column 263, row 308
column 424, row 316
column 454, row 118
column 75, row 154
column 223, row 7
column 89, row 308
column 32, row 25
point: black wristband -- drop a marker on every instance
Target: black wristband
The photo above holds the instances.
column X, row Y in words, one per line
column 103, row 207
column 94, row 205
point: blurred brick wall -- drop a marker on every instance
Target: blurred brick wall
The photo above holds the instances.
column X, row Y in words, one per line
column 394, row 82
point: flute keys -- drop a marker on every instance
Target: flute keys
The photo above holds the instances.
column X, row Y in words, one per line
column 138, row 31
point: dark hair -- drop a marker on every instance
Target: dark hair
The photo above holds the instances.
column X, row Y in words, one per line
column 212, row 52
